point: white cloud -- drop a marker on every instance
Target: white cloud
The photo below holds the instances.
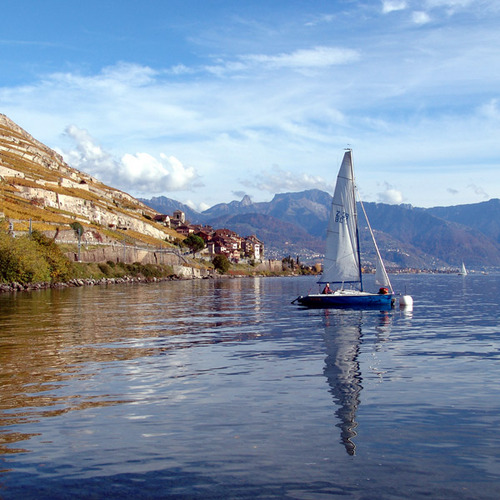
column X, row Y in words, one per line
column 393, row 5
column 490, row 110
column 147, row 174
column 139, row 173
column 318, row 57
column 390, row 195
column 199, row 207
column 88, row 156
column 325, row 18
column 280, row 180
column 450, row 4
column 420, row 17
column 129, row 73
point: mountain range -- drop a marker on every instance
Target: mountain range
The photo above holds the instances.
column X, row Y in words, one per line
column 408, row 237
column 37, row 187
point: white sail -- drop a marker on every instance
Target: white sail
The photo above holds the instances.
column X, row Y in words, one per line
column 341, row 262
column 381, row 277
column 463, row 271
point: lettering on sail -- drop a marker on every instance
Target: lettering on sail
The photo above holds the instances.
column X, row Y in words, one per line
column 341, row 217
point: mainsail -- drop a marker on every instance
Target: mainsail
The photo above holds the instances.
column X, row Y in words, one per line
column 341, row 264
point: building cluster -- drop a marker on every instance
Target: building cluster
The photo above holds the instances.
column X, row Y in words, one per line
column 217, row 241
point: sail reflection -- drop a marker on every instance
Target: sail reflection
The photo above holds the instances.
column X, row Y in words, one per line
column 342, row 341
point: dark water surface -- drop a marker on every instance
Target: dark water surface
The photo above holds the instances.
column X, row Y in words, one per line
column 224, row 389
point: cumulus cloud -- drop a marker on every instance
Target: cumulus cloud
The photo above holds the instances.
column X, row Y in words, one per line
column 147, row 174
column 280, row 180
column 87, row 155
column 199, row 207
column 420, row 17
column 390, row 195
column 139, row 173
column 393, row 5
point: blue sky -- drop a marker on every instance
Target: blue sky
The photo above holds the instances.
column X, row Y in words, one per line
column 206, row 101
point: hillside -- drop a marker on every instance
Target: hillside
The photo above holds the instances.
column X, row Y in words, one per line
column 37, row 185
column 484, row 217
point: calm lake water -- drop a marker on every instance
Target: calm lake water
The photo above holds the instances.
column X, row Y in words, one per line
column 224, row 389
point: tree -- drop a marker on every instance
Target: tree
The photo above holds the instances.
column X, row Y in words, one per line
column 77, row 228
column 221, row 263
column 21, row 261
column 59, row 265
column 195, row 243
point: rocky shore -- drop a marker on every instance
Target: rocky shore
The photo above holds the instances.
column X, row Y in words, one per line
column 27, row 287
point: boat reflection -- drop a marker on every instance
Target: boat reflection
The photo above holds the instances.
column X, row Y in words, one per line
column 343, row 337
column 342, row 340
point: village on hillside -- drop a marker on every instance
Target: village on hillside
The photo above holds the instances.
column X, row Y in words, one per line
column 217, row 241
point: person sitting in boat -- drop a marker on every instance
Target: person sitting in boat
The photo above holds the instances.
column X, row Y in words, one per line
column 327, row 289
column 383, row 291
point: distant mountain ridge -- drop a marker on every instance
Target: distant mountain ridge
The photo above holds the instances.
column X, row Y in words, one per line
column 295, row 223
column 37, row 186
column 482, row 216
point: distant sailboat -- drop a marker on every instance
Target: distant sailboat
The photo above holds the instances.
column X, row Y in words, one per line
column 463, row 271
column 342, row 264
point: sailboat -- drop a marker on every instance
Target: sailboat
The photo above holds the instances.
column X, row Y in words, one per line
column 463, row 271
column 342, row 264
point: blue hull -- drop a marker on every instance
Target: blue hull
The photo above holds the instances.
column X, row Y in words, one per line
column 348, row 301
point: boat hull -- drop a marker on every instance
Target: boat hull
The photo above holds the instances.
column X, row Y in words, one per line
column 347, row 300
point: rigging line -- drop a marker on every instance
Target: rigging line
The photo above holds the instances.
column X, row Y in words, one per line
column 374, row 241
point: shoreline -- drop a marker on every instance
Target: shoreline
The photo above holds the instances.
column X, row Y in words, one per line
column 79, row 282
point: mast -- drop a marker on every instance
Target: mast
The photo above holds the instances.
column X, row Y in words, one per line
column 356, row 218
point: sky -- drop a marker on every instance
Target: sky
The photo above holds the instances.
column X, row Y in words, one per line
column 205, row 101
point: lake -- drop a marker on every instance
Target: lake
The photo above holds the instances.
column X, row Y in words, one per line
column 224, row 389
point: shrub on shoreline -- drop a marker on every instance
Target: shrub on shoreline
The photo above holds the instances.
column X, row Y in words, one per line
column 37, row 259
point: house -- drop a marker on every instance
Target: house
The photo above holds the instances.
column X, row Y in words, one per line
column 227, row 234
column 164, row 219
column 219, row 241
column 205, row 233
column 185, row 229
column 253, row 246
column 227, row 246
